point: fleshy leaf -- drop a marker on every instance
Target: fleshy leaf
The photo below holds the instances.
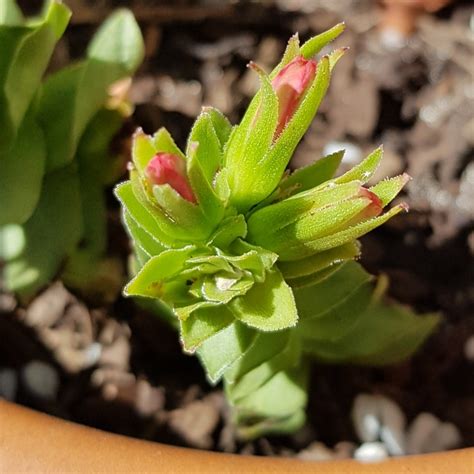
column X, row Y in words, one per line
column 118, row 41
column 26, row 51
column 388, row 189
column 151, row 279
column 365, row 169
column 288, row 357
column 315, row 44
column 319, row 261
column 268, row 306
column 203, row 324
column 249, row 142
column 221, row 350
column 76, row 93
column 46, row 246
column 21, row 175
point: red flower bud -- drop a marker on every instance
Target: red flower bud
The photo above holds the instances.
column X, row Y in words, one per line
column 165, row 168
column 290, row 84
column 373, row 209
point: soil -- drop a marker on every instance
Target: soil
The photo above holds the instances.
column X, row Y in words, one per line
column 119, row 368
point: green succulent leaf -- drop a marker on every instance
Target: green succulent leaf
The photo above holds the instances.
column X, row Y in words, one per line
column 10, row 13
column 221, row 350
column 315, row 44
column 118, row 41
column 26, row 50
column 364, row 170
column 384, row 334
column 268, row 306
column 156, row 277
column 287, row 392
column 202, row 325
column 143, row 213
column 248, row 142
column 388, row 189
column 22, row 168
column 77, row 93
column 51, row 233
column 319, row 261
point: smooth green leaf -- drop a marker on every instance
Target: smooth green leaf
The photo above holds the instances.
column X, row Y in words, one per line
column 327, row 294
column 251, row 381
column 263, row 347
column 118, row 41
column 334, row 323
column 10, row 13
column 286, row 390
column 385, row 334
column 51, row 233
column 26, row 51
column 21, row 173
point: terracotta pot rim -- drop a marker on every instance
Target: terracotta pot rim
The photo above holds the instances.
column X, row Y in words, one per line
column 34, row 442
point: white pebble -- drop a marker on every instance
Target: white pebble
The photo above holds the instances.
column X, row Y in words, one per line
column 420, row 431
column 469, row 349
column 352, row 154
column 365, row 417
column 393, row 423
column 371, row 452
column 8, row 384
column 41, row 379
column 92, row 354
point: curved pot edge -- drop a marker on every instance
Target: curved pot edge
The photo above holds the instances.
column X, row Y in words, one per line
column 34, row 442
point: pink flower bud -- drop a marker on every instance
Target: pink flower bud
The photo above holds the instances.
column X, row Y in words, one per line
column 165, row 168
column 373, row 209
column 290, row 84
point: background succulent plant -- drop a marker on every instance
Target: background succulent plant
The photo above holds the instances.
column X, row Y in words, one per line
column 54, row 146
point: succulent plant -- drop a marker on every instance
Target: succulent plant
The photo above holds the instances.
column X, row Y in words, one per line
column 255, row 266
column 55, row 134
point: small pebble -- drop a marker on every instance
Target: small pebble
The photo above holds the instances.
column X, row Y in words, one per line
column 420, row 431
column 469, row 349
column 41, row 379
column 48, row 307
column 376, row 417
column 352, row 154
column 197, row 421
column 8, row 384
column 446, row 436
column 344, row 450
column 392, row 433
column 316, row 452
column 365, row 417
column 371, row 452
